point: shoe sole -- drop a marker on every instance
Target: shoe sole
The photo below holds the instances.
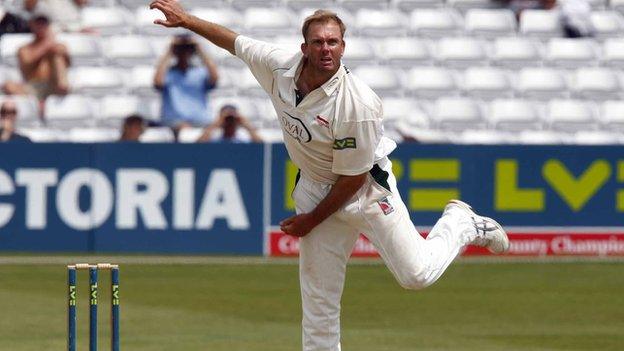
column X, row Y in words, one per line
column 467, row 207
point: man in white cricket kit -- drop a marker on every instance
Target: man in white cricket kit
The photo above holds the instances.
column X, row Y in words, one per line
column 332, row 125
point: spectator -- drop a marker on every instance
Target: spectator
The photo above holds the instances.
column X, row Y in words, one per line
column 11, row 23
column 8, row 115
column 133, row 127
column 230, row 123
column 64, row 14
column 575, row 18
column 184, row 86
column 43, row 63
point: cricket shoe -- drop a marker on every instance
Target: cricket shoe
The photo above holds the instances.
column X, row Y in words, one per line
column 488, row 233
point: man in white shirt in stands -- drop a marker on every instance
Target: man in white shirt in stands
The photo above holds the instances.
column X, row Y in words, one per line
column 332, row 125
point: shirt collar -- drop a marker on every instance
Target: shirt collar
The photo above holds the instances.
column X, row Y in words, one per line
column 328, row 87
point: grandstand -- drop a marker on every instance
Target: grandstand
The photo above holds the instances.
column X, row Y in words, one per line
column 460, row 71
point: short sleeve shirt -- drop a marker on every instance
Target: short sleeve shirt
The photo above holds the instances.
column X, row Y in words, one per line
column 335, row 130
column 184, row 96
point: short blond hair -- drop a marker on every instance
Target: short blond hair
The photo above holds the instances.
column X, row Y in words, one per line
column 322, row 16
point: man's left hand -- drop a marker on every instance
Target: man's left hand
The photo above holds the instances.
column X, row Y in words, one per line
column 298, row 225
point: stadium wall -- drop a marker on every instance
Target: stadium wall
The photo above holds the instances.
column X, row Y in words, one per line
column 229, row 198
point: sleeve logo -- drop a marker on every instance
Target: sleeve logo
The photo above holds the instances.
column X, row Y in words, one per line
column 346, row 143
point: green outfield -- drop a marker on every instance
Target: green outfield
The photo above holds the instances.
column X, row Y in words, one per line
column 255, row 307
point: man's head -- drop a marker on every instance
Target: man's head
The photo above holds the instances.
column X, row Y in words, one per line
column 39, row 25
column 133, row 127
column 184, row 47
column 323, row 34
column 231, row 121
column 8, row 114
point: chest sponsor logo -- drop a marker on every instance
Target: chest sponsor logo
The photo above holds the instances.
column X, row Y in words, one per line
column 346, row 143
column 296, row 128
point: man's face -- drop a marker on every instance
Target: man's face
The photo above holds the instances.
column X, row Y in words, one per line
column 8, row 110
column 324, row 46
column 39, row 27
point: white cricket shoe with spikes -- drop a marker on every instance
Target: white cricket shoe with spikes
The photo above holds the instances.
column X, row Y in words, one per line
column 488, row 233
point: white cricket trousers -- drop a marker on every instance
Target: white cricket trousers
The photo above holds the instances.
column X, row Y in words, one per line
column 415, row 262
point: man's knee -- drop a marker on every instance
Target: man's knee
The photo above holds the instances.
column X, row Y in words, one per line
column 415, row 281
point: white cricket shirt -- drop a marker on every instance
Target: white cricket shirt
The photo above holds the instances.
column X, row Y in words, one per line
column 335, row 130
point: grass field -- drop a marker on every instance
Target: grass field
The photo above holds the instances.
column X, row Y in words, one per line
column 255, row 307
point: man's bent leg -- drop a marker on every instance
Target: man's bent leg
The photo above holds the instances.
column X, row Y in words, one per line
column 415, row 262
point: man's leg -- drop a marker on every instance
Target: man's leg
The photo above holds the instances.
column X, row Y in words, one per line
column 415, row 262
column 324, row 253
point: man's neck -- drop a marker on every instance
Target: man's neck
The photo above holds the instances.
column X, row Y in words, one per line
column 310, row 79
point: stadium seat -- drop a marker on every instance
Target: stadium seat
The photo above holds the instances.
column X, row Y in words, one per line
column 113, row 109
column 107, row 20
column 157, row 135
column 10, row 43
column 8, row 73
column 617, row 5
column 465, row 5
column 83, row 49
column 410, row 5
column 484, row 137
column 128, row 50
column 144, row 23
column 570, row 53
column 69, row 111
column 95, row 80
column 515, row 52
column 435, row 22
column 141, row 80
column 224, row 16
column 542, row 137
column 358, row 51
column 298, row 5
column 93, row 135
column 271, row 135
column 612, row 115
column 596, row 84
column 345, row 15
column 406, row 110
column 380, row 23
column 431, row 82
column 383, row 80
column 261, row 21
column 43, row 135
column 247, row 83
column 190, row 135
column 540, row 23
column 457, row 113
column 613, row 52
column 425, row 136
column 248, row 4
column 354, row 5
column 486, row 83
column 460, row 52
column 490, row 22
column 597, row 137
column 514, row 115
column 607, row 24
column 570, row 116
column 541, row 83
column 403, row 52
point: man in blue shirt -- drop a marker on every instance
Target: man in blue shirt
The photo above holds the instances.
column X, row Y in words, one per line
column 8, row 115
column 184, row 86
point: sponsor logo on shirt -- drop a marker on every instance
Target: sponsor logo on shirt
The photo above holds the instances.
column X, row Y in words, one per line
column 295, row 128
column 386, row 206
column 346, row 143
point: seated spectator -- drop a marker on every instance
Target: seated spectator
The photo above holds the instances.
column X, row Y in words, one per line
column 12, row 23
column 8, row 115
column 64, row 14
column 184, row 86
column 227, row 128
column 133, row 127
column 43, row 63
column 575, row 18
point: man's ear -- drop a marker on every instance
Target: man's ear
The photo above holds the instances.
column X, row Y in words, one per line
column 304, row 48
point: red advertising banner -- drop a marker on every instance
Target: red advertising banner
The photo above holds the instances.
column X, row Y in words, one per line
column 522, row 244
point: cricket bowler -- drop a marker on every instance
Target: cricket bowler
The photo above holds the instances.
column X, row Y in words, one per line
column 332, row 127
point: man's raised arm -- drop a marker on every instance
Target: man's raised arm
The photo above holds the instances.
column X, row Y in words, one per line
column 176, row 16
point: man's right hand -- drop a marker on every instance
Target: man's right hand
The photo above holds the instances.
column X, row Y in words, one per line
column 173, row 11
